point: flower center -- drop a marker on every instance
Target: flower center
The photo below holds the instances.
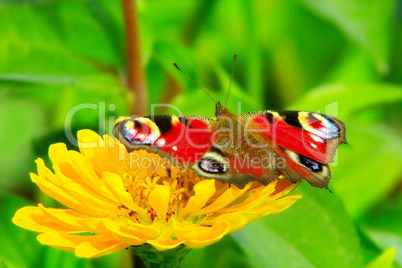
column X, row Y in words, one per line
column 160, row 192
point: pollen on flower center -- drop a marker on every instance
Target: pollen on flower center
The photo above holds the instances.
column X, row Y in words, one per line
column 160, row 190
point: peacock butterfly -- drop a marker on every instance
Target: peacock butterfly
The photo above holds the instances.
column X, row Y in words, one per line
column 263, row 146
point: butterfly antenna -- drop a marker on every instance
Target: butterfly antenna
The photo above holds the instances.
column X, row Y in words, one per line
column 192, row 81
column 231, row 79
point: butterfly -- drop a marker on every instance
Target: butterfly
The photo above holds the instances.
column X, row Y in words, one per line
column 264, row 146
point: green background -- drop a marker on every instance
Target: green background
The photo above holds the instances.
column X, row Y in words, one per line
column 340, row 57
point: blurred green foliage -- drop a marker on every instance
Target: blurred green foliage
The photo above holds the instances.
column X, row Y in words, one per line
column 340, row 57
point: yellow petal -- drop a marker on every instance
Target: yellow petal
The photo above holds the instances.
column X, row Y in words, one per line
column 283, row 187
column 55, row 191
column 84, row 169
column 159, row 200
column 238, row 220
column 95, row 250
column 35, row 219
column 58, row 154
column 100, row 205
column 87, row 246
column 277, row 206
column 69, row 242
column 165, row 242
column 227, row 197
column 57, row 240
column 203, row 191
column 64, row 217
column 134, row 233
column 197, row 236
column 115, row 185
column 70, row 193
column 118, row 155
column 94, row 148
column 256, row 198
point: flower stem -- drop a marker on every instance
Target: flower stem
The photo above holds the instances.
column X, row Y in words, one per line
column 154, row 258
column 135, row 70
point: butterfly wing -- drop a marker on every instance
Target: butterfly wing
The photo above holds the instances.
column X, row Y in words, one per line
column 181, row 139
column 307, row 141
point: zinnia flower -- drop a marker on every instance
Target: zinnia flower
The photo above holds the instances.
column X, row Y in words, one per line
column 113, row 203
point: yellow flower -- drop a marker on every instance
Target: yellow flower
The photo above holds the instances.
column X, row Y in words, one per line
column 117, row 199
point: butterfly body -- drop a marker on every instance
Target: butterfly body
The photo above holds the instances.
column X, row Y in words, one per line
column 262, row 146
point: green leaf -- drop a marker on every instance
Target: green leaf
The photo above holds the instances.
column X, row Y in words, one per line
column 237, row 95
column 13, row 3
column 261, row 253
column 36, row 48
column 153, row 257
column 165, row 86
column 97, row 98
column 162, row 24
column 253, row 70
column 385, row 260
column 122, row 259
column 357, row 170
column 382, row 225
column 198, row 103
column 342, row 100
column 369, row 249
column 88, row 29
column 50, row 79
column 355, row 18
column 19, row 247
column 302, row 48
column 305, row 235
column 225, row 253
column 20, row 122
column 353, row 67
column 354, row 104
column 53, row 257
column 384, row 238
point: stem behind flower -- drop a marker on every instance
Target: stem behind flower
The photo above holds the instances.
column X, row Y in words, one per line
column 154, row 258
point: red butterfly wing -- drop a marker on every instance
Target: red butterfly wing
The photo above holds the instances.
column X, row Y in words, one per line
column 184, row 139
column 307, row 141
column 308, row 134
